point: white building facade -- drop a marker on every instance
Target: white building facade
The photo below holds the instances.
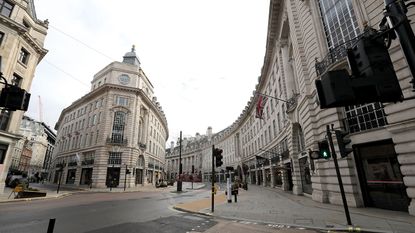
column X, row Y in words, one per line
column 22, row 37
column 117, row 127
column 34, row 134
column 304, row 40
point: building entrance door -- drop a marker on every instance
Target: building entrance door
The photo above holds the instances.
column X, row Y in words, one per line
column 138, row 176
column 305, row 175
column 113, row 177
column 86, row 176
column 380, row 176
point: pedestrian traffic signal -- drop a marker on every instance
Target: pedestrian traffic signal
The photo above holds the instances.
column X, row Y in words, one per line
column 218, row 156
column 343, row 141
column 324, row 150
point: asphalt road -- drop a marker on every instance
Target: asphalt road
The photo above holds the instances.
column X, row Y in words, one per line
column 104, row 212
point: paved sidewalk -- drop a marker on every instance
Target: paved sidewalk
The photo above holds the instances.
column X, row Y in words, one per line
column 51, row 190
column 198, row 205
column 276, row 206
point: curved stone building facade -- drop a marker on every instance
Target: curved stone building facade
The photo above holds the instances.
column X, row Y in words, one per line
column 22, row 37
column 304, row 40
column 117, row 127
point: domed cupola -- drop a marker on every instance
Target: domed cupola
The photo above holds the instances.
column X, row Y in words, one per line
column 131, row 58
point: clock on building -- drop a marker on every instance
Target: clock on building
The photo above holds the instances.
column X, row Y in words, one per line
column 124, row 79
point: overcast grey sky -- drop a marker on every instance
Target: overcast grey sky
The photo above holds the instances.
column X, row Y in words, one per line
column 202, row 56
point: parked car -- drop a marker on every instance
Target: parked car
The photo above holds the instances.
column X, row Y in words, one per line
column 161, row 184
column 13, row 180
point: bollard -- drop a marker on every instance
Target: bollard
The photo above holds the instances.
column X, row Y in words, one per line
column 51, row 225
column 236, row 199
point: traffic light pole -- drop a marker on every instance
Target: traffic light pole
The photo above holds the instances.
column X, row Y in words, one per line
column 339, row 178
column 179, row 181
column 213, row 178
column 125, row 177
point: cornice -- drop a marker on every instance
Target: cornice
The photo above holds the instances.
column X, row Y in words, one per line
column 23, row 32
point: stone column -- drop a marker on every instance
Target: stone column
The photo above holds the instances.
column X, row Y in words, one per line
column 285, row 184
column 257, row 175
column 288, row 70
column 272, row 185
column 296, row 176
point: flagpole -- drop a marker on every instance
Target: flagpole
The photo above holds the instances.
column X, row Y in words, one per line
column 259, row 93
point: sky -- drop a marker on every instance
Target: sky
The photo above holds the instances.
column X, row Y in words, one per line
column 203, row 57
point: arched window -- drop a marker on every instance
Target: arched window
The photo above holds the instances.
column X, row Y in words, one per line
column 118, row 127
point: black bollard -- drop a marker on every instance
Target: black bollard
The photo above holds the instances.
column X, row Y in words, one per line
column 236, row 199
column 51, row 225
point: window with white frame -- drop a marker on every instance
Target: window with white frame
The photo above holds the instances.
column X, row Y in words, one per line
column 6, row 8
column 339, row 21
column 121, row 100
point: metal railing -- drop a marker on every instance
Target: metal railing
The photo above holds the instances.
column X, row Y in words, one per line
column 117, row 141
column 88, row 162
column 114, row 161
column 335, row 54
column 72, row 164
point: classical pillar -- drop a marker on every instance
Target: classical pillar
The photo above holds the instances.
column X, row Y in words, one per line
column 257, row 175
column 285, row 182
column 272, row 185
column 296, row 176
column 264, row 177
column 288, row 70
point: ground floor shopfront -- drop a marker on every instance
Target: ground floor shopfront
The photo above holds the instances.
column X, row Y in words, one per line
column 111, row 170
column 115, row 176
column 379, row 181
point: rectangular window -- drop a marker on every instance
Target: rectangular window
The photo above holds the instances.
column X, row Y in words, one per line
column 339, row 21
column 96, row 137
column 121, row 100
column 94, row 119
column 6, row 8
column 4, row 119
column 16, row 80
column 114, row 158
column 1, row 37
column 3, row 150
column 24, row 55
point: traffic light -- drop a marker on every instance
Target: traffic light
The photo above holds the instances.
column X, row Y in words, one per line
column 335, row 89
column 14, row 98
column 218, row 156
column 324, row 150
column 343, row 141
column 373, row 77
